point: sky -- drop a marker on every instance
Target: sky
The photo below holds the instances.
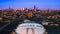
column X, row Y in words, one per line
column 52, row 4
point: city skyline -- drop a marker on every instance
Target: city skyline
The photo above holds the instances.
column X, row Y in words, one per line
column 42, row 4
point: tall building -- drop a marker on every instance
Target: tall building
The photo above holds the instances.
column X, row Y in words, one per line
column 34, row 7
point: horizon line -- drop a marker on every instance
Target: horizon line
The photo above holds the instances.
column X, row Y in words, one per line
column 33, row 8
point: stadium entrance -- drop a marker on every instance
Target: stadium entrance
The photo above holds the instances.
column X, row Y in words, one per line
column 30, row 28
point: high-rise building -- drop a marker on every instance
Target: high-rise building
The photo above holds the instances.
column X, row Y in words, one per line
column 34, row 7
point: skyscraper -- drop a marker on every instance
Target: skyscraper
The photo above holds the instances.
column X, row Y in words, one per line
column 34, row 7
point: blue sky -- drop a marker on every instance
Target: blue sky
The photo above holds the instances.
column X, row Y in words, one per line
column 53, row 4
